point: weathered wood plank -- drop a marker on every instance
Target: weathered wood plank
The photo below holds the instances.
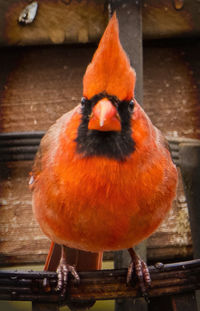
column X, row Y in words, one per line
column 168, row 19
column 172, row 87
column 74, row 21
column 37, row 85
column 170, row 279
column 55, row 22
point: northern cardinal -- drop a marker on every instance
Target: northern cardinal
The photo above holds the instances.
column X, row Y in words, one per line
column 103, row 178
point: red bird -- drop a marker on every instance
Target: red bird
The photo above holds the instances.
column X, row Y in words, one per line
column 103, row 178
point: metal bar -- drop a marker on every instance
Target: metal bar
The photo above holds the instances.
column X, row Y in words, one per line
column 22, row 135
column 27, row 144
column 168, row 279
column 17, row 157
column 20, row 142
column 19, row 146
column 18, row 149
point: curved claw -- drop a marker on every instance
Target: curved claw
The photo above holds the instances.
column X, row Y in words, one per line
column 139, row 269
column 46, row 285
column 63, row 273
column 75, row 275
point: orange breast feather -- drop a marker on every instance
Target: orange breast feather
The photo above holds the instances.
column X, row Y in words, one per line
column 97, row 203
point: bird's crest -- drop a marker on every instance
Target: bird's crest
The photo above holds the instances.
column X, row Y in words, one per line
column 110, row 69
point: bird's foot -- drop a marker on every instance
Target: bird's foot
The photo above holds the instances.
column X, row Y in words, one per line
column 138, row 269
column 63, row 272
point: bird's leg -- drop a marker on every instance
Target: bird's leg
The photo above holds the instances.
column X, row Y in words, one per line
column 63, row 272
column 139, row 268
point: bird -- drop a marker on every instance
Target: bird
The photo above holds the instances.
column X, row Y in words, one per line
column 103, row 178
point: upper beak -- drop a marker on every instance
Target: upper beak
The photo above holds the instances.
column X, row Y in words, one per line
column 104, row 117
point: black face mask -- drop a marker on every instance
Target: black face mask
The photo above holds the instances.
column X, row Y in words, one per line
column 112, row 144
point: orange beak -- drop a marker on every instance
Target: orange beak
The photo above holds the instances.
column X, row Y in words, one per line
column 104, row 117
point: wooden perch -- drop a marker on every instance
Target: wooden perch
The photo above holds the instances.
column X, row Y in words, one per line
column 167, row 279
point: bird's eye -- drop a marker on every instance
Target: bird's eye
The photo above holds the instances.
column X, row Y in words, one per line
column 83, row 101
column 131, row 106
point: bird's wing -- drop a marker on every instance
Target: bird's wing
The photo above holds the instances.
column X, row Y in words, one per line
column 163, row 140
column 48, row 145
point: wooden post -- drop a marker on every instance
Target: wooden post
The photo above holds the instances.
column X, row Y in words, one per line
column 190, row 169
column 129, row 13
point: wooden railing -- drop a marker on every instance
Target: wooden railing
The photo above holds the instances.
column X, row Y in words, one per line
column 167, row 279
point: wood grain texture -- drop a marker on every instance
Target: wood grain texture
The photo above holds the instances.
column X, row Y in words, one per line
column 176, row 278
column 163, row 19
column 56, row 22
column 172, row 240
column 172, row 87
column 20, row 237
column 39, row 84
column 81, row 21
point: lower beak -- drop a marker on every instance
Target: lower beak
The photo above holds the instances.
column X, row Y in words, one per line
column 104, row 117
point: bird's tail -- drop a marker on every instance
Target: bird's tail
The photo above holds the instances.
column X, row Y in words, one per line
column 83, row 261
